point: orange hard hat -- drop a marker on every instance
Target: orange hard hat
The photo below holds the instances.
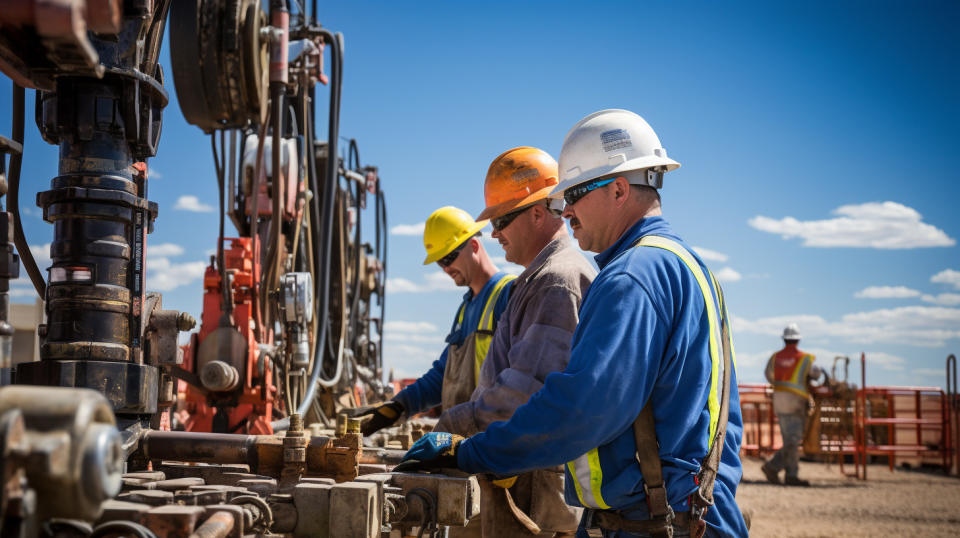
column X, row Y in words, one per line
column 518, row 178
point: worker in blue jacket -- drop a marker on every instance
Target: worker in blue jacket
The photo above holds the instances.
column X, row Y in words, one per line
column 652, row 334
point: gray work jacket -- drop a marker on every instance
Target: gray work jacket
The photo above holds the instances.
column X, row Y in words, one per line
column 532, row 338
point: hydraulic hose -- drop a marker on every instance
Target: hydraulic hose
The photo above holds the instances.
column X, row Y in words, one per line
column 13, row 200
column 325, row 230
column 329, row 200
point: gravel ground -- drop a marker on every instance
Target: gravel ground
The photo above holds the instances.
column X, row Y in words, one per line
column 898, row 503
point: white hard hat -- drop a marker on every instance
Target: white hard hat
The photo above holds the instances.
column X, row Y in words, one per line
column 791, row 332
column 609, row 143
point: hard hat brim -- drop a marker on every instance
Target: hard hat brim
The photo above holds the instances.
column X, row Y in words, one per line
column 503, row 208
column 455, row 242
column 606, row 171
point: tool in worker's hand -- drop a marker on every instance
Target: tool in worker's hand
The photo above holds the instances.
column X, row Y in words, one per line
column 380, row 416
column 435, row 450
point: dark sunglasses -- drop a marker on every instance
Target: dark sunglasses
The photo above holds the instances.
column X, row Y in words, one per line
column 574, row 194
column 452, row 257
column 502, row 222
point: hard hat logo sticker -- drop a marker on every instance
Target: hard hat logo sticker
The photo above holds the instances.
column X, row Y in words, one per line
column 615, row 139
column 525, row 174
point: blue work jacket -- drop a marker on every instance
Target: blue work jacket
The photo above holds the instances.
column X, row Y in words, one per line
column 425, row 392
column 643, row 334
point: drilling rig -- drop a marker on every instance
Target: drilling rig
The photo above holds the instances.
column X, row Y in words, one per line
column 292, row 306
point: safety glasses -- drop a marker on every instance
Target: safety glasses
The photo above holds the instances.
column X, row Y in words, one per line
column 574, row 194
column 502, row 222
column 452, row 257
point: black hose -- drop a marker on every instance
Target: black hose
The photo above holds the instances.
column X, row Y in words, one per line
column 329, row 201
column 326, row 231
column 13, row 198
column 226, row 305
column 382, row 292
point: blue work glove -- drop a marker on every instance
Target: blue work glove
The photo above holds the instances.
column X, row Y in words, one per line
column 435, row 450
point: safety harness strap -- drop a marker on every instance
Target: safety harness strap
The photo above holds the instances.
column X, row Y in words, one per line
column 648, row 449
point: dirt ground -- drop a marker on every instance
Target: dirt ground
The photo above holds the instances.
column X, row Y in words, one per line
column 901, row 503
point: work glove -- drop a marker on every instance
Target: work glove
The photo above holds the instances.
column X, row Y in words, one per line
column 435, row 450
column 381, row 416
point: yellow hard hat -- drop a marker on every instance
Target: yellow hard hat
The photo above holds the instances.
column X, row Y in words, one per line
column 445, row 229
column 518, row 178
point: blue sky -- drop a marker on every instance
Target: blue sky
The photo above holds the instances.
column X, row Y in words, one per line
column 816, row 141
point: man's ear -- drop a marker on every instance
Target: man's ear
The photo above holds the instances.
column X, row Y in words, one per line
column 621, row 191
column 475, row 244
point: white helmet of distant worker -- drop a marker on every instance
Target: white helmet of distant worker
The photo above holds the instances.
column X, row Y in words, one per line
column 791, row 332
column 612, row 143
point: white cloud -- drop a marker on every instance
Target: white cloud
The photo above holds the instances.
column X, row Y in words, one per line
column 163, row 275
column 948, row 277
column 943, row 299
column 886, row 292
column 435, row 281
column 163, row 250
column 188, row 202
column 409, row 361
column 922, row 326
column 881, row 225
column 409, row 326
column 401, row 285
column 711, row 255
column 20, row 291
column 727, row 274
column 153, row 173
column 408, row 229
column 929, row 372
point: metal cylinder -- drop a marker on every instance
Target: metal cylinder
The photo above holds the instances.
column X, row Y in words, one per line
column 264, row 454
column 217, row 525
column 100, row 215
column 75, row 458
column 219, row 376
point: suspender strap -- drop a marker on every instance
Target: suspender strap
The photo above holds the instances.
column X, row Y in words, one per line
column 648, row 449
column 648, row 456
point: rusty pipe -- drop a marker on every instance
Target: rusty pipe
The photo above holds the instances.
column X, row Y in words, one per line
column 218, row 525
column 338, row 457
column 386, row 456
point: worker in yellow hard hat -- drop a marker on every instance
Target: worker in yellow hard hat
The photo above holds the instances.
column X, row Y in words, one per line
column 533, row 340
column 452, row 240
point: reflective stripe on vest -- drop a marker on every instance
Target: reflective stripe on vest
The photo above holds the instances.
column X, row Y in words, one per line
column 486, row 327
column 797, row 382
column 585, row 470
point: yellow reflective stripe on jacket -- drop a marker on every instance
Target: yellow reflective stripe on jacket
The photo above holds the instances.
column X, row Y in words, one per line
column 713, row 400
column 586, row 470
column 797, row 383
column 484, row 333
column 723, row 315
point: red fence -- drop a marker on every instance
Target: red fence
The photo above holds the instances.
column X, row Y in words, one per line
column 906, row 425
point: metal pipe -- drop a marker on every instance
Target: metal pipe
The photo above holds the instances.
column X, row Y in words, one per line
column 220, row 448
column 218, row 525
column 328, row 456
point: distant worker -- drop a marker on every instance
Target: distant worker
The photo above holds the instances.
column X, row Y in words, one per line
column 452, row 240
column 646, row 416
column 533, row 339
column 789, row 370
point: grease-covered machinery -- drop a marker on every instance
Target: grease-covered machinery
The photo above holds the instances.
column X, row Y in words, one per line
column 290, row 327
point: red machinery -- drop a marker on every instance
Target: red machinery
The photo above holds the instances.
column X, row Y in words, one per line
column 249, row 401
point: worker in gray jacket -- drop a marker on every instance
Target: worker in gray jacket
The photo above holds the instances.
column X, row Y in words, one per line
column 532, row 339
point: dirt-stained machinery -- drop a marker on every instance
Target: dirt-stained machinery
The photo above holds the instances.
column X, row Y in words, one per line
column 288, row 329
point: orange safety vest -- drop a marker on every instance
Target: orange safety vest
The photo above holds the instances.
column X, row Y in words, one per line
column 791, row 367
